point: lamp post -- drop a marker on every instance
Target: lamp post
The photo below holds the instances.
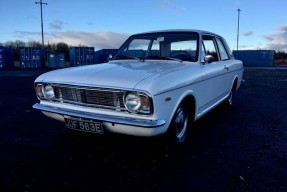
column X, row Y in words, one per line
column 43, row 45
column 238, row 10
column 42, row 20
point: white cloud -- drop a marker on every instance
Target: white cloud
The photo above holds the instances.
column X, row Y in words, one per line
column 251, row 47
column 277, row 40
column 99, row 40
column 56, row 25
column 248, row 33
column 27, row 36
column 282, row 28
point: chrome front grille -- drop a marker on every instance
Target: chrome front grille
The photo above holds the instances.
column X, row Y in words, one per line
column 100, row 98
column 68, row 94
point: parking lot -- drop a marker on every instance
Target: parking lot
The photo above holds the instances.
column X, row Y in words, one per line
column 243, row 148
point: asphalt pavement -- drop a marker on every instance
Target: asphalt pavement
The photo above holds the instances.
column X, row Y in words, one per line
column 242, row 148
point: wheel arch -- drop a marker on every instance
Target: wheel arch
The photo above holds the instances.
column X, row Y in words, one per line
column 188, row 103
column 188, row 100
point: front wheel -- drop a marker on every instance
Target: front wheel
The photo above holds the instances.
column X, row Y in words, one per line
column 180, row 125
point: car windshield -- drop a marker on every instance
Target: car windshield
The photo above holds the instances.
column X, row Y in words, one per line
column 181, row 46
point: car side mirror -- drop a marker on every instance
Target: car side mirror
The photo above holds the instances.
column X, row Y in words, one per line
column 208, row 59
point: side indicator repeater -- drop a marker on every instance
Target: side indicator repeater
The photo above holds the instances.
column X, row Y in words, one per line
column 167, row 99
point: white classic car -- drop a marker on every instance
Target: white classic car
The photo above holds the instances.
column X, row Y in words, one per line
column 158, row 82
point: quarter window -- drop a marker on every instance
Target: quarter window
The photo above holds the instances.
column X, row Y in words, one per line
column 222, row 50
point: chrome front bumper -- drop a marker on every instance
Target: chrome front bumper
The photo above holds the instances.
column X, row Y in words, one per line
column 104, row 118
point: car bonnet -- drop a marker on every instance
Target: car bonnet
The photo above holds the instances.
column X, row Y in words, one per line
column 116, row 74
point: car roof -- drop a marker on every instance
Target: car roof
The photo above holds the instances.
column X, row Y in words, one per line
column 202, row 32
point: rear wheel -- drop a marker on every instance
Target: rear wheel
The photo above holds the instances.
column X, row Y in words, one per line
column 230, row 98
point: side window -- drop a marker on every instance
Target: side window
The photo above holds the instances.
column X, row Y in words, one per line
column 222, row 50
column 210, row 46
column 184, row 50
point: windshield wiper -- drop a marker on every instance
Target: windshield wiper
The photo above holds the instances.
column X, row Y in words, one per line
column 122, row 57
column 162, row 58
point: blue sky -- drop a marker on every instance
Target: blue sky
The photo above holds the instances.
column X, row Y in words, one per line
column 107, row 23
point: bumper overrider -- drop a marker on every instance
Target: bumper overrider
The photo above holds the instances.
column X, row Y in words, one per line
column 117, row 124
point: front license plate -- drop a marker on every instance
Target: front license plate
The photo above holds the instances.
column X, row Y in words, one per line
column 84, row 125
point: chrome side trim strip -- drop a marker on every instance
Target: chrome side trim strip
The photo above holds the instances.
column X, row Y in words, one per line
column 104, row 118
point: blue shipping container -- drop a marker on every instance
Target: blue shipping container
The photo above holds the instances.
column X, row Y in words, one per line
column 31, row 57
column 6, row 58
column 102, row 56
column 259, row 58
column 56, row 60
column 81, row 56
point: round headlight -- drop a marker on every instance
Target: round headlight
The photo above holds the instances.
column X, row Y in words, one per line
column 133, row 101
column 48, row 92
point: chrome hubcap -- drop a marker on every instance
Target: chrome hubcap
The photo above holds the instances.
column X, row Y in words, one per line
column 180, row 123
